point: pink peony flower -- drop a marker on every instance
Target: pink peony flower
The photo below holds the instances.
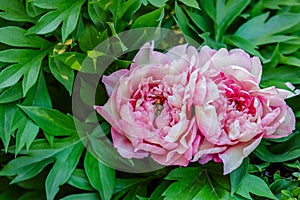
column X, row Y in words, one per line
column 186, row 106
column 150, row 107
column 233, row 114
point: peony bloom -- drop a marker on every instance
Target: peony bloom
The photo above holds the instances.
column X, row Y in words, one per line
column 186, row 106
column 233, row 114
column 150, row 107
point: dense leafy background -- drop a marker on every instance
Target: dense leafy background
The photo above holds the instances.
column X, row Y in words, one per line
column 42, row 44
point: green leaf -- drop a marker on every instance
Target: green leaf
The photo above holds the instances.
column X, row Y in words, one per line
column 6, row 114
column 66, row 162
column 32, row 71
column 255, row 185
column 98, row 11
column 126, row 184
column 33, row 10
column 191, row 3
column 282, row 184
column 237, row 175
column 101, row 177
column 38, row 95
column 158, row 3
column 61, row 124
column 85, row 196
column 31, row 196
column 62, row 73
column 281, row 152
column 14, row 10
column 89, row 38
column 68, row 13
column 36, row 158
column 54, row 4
column 18, row 55
column 181, row 19
column 27, row 131
column 157, row 193
column 29, row 64
column 11, row 75
column 266, row 32
column 79, row 180
column 151, row 19
column 226, row 12
column 11, row 94
column 31, row 170
column 199, row 20
column 196, row 183
column 72, row 60
column 15, row 36
column 244, row 44
column 123, row 12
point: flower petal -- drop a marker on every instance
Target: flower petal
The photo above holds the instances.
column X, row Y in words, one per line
column 233, row 156
column 111, row 81
column 208, row 123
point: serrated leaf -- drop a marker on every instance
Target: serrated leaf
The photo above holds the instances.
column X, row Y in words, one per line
column 265, row 32
column 14, row 10
column 66, row 162
column 151, row 19
column 15, row 36
column 61, row 124
column 79, row 180
column 255, row 185
column 85, row 196
column 62, row 73
column 68, row 13
column 101, row 177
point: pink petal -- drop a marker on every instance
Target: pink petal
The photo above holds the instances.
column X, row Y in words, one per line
column 233, row 157
column 208, row 122
column 147, row 55
column 256, row 68
column 176, row 131
column 285, row 128
column 124, row 146
column 111, row 81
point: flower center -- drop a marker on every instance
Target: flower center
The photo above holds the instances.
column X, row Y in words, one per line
column 158, row 106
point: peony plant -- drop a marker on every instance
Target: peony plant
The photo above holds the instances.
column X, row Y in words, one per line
column 187, row 105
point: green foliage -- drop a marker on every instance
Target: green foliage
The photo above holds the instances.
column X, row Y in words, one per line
column 43, row 45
